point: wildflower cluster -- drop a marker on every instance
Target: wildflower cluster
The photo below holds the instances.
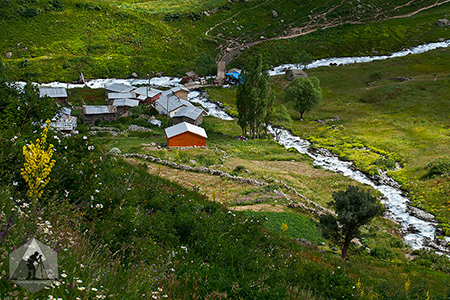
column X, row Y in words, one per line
column 38, row 165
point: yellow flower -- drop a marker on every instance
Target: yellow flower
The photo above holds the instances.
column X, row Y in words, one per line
column 38, row 165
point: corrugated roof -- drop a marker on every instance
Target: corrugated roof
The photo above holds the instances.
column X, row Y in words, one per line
column 178, row 88
column 119, row 88
column 191, row 74
column 125, row 95
column 185, row 127
column 66, row 111
column 52, row 92
column 174, row 102
column 190, row 112
column 99, row 109
column 126, row 102
column 142, row 91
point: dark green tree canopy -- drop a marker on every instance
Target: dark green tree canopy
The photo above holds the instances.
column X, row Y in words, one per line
column 354, row 208
column 305, row 93
column 205, row 64
column 253, row 101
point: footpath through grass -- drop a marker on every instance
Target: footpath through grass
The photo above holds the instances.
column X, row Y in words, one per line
column 58, row 40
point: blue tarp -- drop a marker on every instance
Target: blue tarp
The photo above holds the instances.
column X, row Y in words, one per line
column 235, row 75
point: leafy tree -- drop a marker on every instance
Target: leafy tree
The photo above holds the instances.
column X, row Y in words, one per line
column 206, row 65
column 305, row 92
column 253, row 100
column 354, row 208
column 303, row 58
column 279, row 118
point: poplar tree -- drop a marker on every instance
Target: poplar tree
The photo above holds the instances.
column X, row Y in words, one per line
column 252, row 97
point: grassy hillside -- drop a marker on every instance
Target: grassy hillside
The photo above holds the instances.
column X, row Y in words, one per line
column 383, row 119
column 122, row 230
column 59, row 39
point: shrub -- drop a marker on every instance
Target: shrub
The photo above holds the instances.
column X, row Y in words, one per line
column 439, row 167
column 239, row 169
column 195, row 16
column 29, row 12
column 57, row 4
column 382, row 252
column 24, row 63
column 385, row 163
column 375, row 76
column 169, row 17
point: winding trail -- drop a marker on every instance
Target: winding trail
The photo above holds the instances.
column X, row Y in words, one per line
column 233, row 47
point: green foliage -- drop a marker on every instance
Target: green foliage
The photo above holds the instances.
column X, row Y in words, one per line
column 354, row 208
column 305, row 93
column 382, row 252
column 303, row 58
column 253, row 101
column 239, row 169
column 439, row 167
column 280, row 118
column 205, row 64
column 375, row 76
column 298, row 226
column 432, row 260
column 169, row 17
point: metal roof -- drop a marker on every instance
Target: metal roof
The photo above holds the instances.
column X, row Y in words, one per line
column 191, row 74
column 190, row 112
column 178, row 88
column 172, row 101
column 126, row 102
column 99, row 109
column 142, row 91
column 124, row 95
column 52, row 92
column 66, row 111
column 119, row 88
column 185, row 127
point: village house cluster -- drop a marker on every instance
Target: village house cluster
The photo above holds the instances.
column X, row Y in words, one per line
column 121, row 97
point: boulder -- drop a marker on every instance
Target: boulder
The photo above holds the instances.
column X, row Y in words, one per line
column 274, row 13
column 115, row 151
column 134, row 74
column 291, row 74
column 443, row 22
column 8, row 55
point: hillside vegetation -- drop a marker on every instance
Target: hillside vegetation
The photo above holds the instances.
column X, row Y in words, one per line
column 127, row 227
column 59, row 39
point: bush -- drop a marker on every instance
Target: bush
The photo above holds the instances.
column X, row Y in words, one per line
column 385, row 163
column 239, row 169
column 195, row 16
column 375, row 76
column 24, row 63
column 439, row 167
column 382, row 252
column 169, row 17
column 29, row 12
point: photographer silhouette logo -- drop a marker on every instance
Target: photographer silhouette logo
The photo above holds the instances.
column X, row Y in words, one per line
column 33, row 265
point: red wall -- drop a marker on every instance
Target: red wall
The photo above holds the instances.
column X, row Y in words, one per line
column 187, row 139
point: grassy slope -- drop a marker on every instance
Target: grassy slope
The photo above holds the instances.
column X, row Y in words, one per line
column 405, row 121
column 267, row 160
column 107, row 39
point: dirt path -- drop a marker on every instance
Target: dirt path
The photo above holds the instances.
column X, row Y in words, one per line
column 232, row 47
column 259, row 208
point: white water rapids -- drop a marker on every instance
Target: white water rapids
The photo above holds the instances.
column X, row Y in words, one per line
column 423, row 232
column 418, row 233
